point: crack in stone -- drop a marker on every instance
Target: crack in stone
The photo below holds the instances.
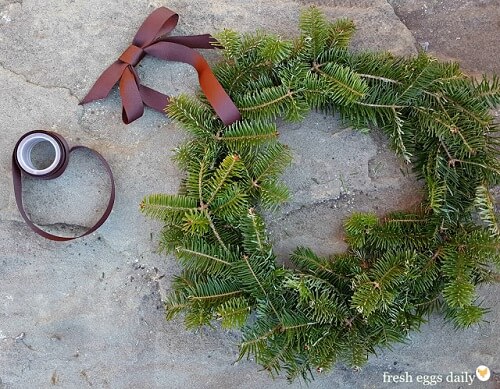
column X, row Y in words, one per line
column 47, row 225
column 63, row 226
column 415, row 43
column 20, row 2
column 9, row 220
column 28, row 81
column 56, row 226
column 339, row 3
column 342, row 197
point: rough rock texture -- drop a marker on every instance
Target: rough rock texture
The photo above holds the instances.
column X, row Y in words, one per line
column 467, row 31
column 340, row 171
column 88, row 312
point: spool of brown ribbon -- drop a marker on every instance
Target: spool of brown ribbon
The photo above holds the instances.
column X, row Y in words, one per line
column 151, row 39
column 22, row 164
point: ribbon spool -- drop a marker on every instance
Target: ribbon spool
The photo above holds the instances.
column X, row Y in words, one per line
column 22, row 163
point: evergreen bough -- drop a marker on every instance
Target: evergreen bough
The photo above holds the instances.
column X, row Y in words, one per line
column 398, row 268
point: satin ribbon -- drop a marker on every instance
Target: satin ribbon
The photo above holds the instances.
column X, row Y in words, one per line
column 151, row 39
column 55, row 170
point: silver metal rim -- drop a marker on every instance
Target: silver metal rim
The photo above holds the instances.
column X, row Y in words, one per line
column 26, row 147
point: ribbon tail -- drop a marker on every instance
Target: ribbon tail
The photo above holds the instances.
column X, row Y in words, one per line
column 105, row 82
column 154, row 99
column 218, row 98
column 205, row 41
column 132, row 105
column 213, row 90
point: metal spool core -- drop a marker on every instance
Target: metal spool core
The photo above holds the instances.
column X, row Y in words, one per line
column 26, row 148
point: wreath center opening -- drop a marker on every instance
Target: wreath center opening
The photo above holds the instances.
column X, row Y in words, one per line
column 335, row 171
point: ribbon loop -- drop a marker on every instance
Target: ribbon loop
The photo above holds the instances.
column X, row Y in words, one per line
column 160, row 22
column 131, row 95
column 132, row 55
column 151, row 39
column 22, row 165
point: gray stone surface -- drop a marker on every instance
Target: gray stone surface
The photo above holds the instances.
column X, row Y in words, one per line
column 88, row 313
column 467, row 31
column 339, row 172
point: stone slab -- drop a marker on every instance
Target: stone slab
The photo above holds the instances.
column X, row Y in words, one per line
column 88, row 313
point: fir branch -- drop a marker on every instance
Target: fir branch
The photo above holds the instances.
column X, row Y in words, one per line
column 390, row 106
column 185, row 251
column 275, row 49
column 259, row 107
column 201, row 175
column 469, row 112
column 488, row 91
column 253, row 232
column 270, row 163
column 272, row 194
column 379, row 78
column 231, row 203
column 215, row 232
column 264, row 290
column 351, row 86
column 230, row 167
column 193, row 115
column 230, row 40
column 161, row 206
column 255, row 344
column 306, row 259
column 248, row 133
column 422, row 78
column 174, row 305
column 194, row 223
column 485, row 205
column 315, row 30
column 234, row 312
column 203, row 256
column 340, row 33
column 216, row 296
column 397, row 136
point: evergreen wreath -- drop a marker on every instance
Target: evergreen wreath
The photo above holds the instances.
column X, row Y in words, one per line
column 398, row 268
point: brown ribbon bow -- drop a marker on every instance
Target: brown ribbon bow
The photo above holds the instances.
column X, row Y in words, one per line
column 151, row 39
